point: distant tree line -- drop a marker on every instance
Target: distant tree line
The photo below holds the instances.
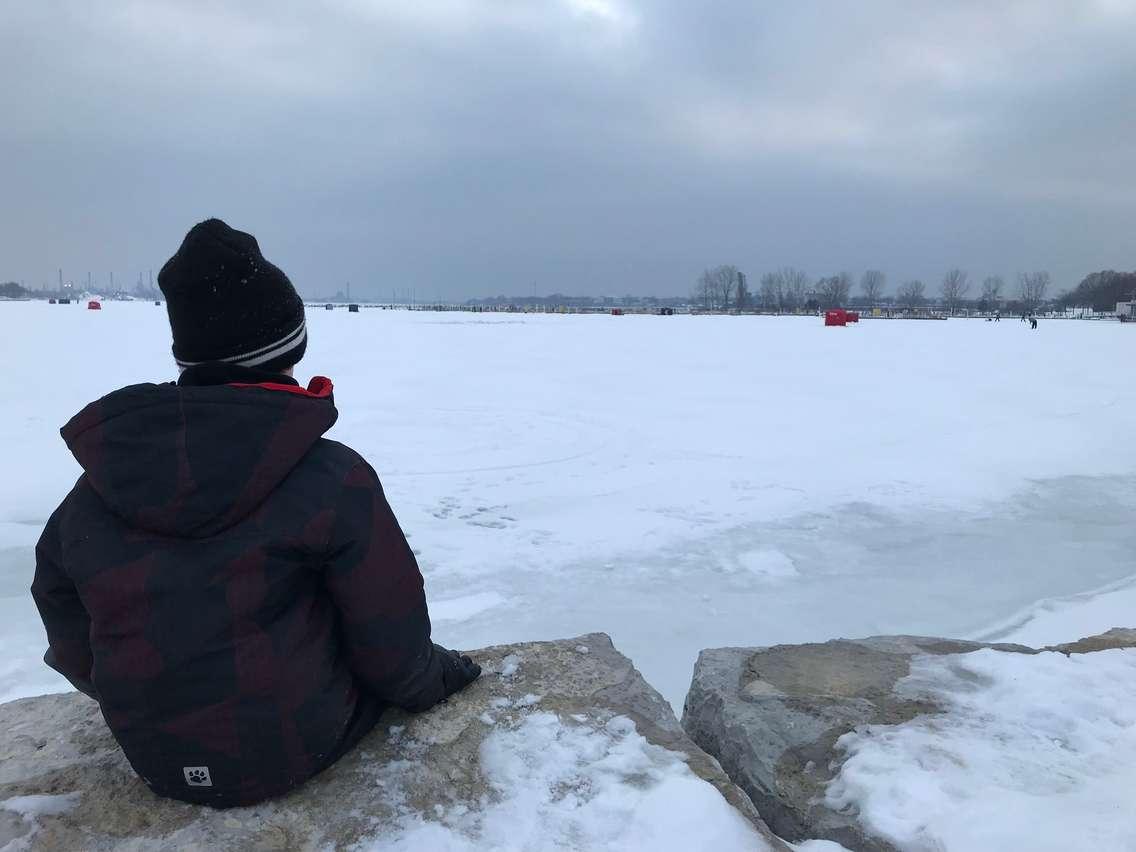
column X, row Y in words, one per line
column 789, row 289
column 561, row 300
column 1101, row 291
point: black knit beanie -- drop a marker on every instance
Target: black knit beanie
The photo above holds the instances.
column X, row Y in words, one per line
column 227, row 303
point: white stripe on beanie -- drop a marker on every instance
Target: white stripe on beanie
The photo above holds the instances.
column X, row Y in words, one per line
column 262, row 355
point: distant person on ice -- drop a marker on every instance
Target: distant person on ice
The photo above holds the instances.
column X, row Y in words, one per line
column 230, row 586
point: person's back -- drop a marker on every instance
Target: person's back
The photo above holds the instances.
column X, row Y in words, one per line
column 232, row 587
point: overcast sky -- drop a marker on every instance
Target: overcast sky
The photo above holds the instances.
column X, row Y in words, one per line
column 475, row 147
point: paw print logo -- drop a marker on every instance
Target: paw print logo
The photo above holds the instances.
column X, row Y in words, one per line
column 197, row 776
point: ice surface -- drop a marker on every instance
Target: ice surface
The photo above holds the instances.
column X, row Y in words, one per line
column 768, row 563
column 465, row 607
column 678, row 482
column 565, row 785
column 1039, row 750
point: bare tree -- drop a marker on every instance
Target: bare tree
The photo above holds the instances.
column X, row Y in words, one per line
column 726, row 281
column 703, row 293
column 715, row 287
column 872, row 285
column 910, row 293
column 954, row 288
column 1032, row 287
column 742, row 297
column 992, row 290
column 833, row 292
column 772, row 291
column 795, row 284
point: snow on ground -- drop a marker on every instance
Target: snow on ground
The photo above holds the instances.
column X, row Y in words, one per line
column 679, row 482
column 1053, row 622
column 1031, row 747
column 568, row 784
column 28, row 809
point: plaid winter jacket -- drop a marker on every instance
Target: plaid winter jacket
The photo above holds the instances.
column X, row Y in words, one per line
column 230, row 586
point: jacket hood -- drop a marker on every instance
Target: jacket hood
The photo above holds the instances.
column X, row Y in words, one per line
column 192, row 461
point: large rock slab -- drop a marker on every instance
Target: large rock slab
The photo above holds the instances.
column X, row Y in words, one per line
column 65, row 785
column 772, row 717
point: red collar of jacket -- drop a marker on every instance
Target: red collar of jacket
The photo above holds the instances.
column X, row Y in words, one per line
column 320, row 387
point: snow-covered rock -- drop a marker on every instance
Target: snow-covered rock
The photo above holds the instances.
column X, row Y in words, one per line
column 887, row 743
column 558, row 745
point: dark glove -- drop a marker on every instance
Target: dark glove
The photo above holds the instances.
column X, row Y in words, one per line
column 458, row 670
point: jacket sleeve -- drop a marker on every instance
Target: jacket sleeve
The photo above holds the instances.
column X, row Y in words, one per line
column 374, row 583
column 64, row 617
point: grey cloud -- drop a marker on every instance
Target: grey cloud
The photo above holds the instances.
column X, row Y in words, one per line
column 468, row 148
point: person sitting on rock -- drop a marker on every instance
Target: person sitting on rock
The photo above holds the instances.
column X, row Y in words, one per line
column 229, row 585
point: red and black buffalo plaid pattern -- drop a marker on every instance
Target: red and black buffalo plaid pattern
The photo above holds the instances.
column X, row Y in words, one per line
column 231, row 587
